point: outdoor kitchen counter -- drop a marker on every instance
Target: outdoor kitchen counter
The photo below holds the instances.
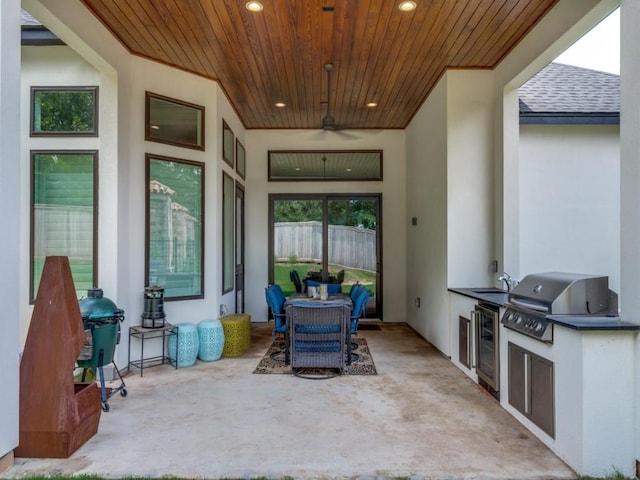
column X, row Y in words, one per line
column 485, row 294
column 572, row 377
column 576, row 322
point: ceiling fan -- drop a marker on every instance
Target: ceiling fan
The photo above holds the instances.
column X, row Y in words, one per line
column 328, row 122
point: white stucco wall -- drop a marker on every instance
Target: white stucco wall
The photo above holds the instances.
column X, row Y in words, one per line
column 225, row 111
column 157, row 78
column 394, row 217
column 449, row 190
column 42, row 67
column 570, row 200
column 469, row 178
column 123, row 80
column 630, row 180
column 427, row 157
column 10, row 188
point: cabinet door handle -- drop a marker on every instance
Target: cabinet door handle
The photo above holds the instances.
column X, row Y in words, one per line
column 472, row 339
column 468, row 327
column 527, row 375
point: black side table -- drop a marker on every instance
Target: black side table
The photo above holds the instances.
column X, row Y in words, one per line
column 143, row 334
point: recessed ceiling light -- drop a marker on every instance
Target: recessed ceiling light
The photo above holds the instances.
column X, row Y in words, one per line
column 297, row 169
column 348, row 169
column 407, row 6
column 372, row 104
column 254, row 6
column 280, row 104
column 155, row 127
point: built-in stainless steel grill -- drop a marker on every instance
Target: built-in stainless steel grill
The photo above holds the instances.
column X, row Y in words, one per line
column 556, row 293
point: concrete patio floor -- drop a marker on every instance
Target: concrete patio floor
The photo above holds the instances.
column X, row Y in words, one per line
column 420, row 417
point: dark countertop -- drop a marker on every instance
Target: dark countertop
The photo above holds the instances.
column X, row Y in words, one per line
column 500, row 298
column 593, row 322
column 487, row 294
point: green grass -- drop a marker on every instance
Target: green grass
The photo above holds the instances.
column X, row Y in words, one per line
column 281, row 276
column 616, row 475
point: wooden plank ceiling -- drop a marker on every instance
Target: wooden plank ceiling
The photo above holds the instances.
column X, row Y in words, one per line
column 380, row 53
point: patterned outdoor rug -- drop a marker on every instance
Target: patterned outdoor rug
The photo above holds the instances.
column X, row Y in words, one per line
column 362, row 365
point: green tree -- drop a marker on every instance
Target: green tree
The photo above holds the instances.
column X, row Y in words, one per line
column 64, row 110
column 298, row 211
column 353, row 213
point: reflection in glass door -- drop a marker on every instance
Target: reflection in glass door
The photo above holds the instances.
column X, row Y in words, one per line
column 329, row 239
column 353, row 246
column 296, row 255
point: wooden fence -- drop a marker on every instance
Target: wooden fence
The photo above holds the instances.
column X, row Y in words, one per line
column 63, row 230
column 350, row 247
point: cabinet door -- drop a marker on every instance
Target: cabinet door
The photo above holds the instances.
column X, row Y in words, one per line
column 541, row 394
column 531, row 389
column 517, row 378
column 464, row 338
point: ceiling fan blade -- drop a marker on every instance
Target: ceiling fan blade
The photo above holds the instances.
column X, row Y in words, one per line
column 337, row 133
column 347, row 134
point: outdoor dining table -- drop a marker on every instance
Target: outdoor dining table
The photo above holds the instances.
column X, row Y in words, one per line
column 336, row 299
column 332, row 298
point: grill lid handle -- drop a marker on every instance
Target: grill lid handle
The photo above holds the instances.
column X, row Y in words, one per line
column 533, row 306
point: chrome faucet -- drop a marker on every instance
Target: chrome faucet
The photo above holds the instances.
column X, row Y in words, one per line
column 506, row 278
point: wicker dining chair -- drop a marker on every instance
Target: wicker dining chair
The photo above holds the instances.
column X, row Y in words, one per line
column 317, row 335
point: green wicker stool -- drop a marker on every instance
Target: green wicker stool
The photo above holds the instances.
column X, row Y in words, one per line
column 234, row 327
column 246, row 321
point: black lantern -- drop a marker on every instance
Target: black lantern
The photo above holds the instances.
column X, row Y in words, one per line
column 153, row 315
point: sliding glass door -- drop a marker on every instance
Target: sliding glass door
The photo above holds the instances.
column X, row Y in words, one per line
column 353, row 243
column 297, row 242
column 326, row 238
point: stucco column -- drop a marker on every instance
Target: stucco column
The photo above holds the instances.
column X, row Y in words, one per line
column 630, row 156
column 630, row 177
column 508, row 197
column 10, row 215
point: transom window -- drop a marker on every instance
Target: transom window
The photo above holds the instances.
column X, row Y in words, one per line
column 325, row 165
column 64, row 111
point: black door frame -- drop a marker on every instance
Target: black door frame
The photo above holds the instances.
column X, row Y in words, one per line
column 239, row 247
column 325, row 198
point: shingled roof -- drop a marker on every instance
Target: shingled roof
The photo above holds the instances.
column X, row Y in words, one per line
column 27, row 19
column 564, row 94
column 34, row 33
